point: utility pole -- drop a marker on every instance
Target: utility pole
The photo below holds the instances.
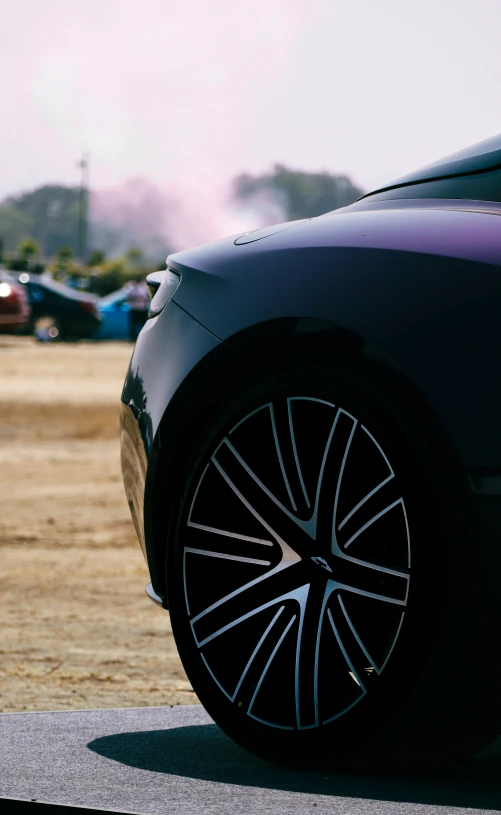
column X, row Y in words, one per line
column 83, row 206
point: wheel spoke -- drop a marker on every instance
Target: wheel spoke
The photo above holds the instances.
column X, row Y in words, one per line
column 227, row 534
column 283, row 429
column 356, row 635
column 282, row 446
column 292, row 437
column 212, row 539
column 376, row 505
column 245, row 687
column 372, row 492
column 274, row 587
column 307, row 656
column 256, row 651
column 378, row 668
column 372, row 520
column 331, row 473
column 227, row 556
column 370, row 580
column 263, row 674
column 345, row 652
column 279, row 521
column 363, row 503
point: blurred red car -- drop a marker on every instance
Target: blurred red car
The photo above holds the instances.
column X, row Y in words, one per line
column 14, row 307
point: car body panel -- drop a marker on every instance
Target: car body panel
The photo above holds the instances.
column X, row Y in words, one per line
column 411, row 284
column 430, row 307
column 114, row 311
column 68, row 306
column 184, row 342
column 480, row 157
column 14, row 306
column 145, row 399
column 478, row 187
column 476, row 161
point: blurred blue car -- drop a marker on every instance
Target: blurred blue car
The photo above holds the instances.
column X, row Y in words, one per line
column 114, row 311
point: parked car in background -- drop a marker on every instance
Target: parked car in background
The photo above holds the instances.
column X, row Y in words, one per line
column 114, row 310
column 57, row 311
column 14, row 306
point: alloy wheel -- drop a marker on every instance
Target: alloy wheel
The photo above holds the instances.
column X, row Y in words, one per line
column 296, row 563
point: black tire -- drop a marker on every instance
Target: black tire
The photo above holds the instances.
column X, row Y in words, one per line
column 327, row 673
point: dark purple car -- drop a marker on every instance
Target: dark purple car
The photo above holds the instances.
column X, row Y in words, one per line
column 311, row 446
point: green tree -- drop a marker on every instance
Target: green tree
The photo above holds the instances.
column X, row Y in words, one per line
column 63, row 264
column 14, row 225
column 299, row 194
column 52, row 212
column 110, row 276
column 28, row 249
column 50, row 215
column 134, row 256
column 96, row 258
column 64, row 253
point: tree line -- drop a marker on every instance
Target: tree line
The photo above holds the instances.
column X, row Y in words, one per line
column 40, row 228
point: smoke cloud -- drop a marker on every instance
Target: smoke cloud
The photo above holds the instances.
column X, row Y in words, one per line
column 174, row 95
column 158, row 221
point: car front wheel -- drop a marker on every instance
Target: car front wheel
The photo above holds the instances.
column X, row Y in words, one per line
column 321, row 580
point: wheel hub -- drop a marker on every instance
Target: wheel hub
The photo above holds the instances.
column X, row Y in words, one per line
column 322, row 562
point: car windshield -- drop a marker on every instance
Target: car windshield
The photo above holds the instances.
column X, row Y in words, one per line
column 483, row 148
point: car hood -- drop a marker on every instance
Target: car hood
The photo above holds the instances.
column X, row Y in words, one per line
column 301, row 271
column 449, row 228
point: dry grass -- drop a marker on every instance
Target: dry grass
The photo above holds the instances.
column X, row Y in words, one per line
column 23, row 421
column 76, row 628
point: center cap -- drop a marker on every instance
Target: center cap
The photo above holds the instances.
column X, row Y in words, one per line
column 321, row 562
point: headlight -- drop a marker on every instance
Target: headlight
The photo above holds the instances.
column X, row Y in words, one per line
column 5, row 289
column 161, row 286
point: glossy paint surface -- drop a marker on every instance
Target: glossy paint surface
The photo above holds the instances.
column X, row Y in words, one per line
column 14, row 307
column 416, row 288
column 179, row 342
column 48, row 298
column 167, row 349
column 420, row 288
column 486, row 155
column 114, row 312
column 485, row 186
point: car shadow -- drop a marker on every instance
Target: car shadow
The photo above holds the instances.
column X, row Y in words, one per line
column 204, row 752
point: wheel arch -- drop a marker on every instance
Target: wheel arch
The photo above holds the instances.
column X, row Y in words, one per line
column 208, row 385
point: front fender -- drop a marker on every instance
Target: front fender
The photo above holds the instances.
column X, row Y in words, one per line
column 434, row 319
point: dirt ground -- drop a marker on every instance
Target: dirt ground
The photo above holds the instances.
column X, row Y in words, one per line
column 76, row 629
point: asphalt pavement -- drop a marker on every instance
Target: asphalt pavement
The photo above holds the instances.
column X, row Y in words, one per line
column 176, row 760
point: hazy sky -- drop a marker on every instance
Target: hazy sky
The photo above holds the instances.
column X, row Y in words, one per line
column 189, row 93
